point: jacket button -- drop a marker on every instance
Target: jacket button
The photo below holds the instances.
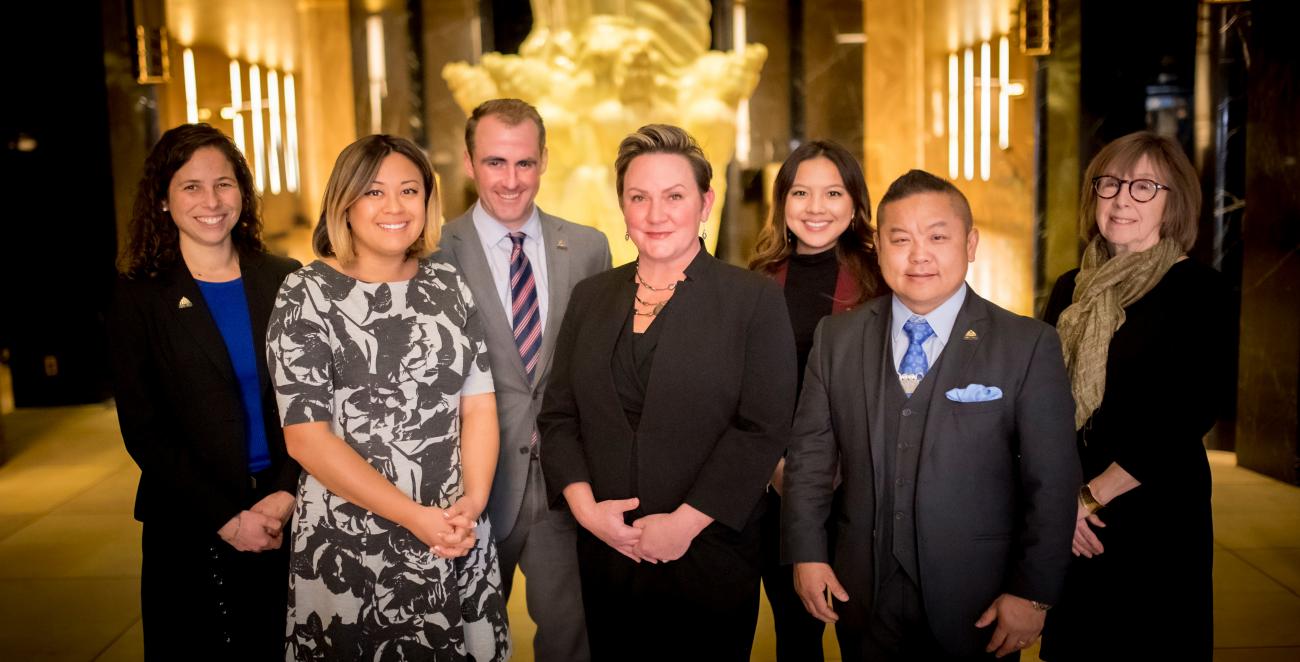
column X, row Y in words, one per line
column 523, row 450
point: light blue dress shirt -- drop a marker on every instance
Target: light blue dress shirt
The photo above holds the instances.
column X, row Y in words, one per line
column 941, row 320
column 497, row 246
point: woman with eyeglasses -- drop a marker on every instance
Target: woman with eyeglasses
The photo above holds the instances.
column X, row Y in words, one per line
column 1146, row 334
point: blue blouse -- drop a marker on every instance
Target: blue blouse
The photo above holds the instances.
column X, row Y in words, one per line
column 229, row 308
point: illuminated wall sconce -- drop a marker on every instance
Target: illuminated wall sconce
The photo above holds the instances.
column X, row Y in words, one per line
column 963, row 83
column 986, row 107
column 259, row 141
column 954, row 151
column 968, row 110
column 1004, row 95
column 191, row 87
column 290, row 135
column 274, row 144
column 376, row 70
column 236, row 105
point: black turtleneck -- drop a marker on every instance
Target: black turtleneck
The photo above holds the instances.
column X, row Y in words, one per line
column 809, row 294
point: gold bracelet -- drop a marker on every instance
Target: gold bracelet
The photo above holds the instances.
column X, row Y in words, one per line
column 1087, row 500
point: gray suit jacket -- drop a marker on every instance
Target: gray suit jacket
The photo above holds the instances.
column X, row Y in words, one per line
column 573, row 252
column 996, row 481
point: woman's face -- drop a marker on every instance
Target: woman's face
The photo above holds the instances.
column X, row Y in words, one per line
column 818, row 208
column 390, row 215
column 663, row 207
column 1129, row 225
column 203, row 199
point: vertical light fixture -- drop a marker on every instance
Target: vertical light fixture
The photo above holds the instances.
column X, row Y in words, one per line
column 274, row 144
column 290, row 135
column 986, row 120
column 376, row 70
column 237, row 106
column 191, row 88
column 1004, row 94
column 954, row 153
column 968, row 119
column 738, row 38
column 259, row 142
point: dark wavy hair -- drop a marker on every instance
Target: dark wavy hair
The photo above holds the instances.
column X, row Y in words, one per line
column 154, row 239
column 855, row 248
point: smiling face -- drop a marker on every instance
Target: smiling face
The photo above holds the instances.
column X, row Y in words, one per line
column 203, row 199
column 663, row 207
column 818, row 208
column 507, row 167
column 924, row 249
column 389, row 217
column 1129, row 225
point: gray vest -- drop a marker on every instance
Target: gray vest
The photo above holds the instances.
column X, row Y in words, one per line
column 904, row 429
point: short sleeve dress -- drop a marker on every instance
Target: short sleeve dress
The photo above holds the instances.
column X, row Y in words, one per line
column 386, row 365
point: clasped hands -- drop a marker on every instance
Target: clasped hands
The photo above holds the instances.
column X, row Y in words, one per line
column 449, row 532
column 655, row 538
column 261, row 527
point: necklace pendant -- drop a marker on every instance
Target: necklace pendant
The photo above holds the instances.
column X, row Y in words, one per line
column 659, row 307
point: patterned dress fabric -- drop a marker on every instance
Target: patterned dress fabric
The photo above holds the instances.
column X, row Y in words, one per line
column 386, row 365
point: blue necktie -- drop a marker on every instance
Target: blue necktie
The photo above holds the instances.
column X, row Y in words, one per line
column 914, row 361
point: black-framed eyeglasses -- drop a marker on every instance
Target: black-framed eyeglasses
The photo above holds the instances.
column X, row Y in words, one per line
column 1141, row 190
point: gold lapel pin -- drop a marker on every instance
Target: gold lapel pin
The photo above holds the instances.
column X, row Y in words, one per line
column 184, row 303
column 561, row 245
column 970, row 335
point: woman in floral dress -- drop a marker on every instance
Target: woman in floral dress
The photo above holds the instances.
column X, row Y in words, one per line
column 381, row 374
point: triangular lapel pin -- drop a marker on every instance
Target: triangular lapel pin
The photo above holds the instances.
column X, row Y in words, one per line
column 970, row 335
column 561, row 245
column 184, row 303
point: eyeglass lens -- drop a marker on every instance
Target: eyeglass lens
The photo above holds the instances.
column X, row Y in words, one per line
column 1141, row 190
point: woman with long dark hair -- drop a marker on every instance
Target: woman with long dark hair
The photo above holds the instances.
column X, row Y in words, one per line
column 187, row 327
column 818, row 245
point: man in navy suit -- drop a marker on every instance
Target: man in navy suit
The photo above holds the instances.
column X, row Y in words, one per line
column 949, row 422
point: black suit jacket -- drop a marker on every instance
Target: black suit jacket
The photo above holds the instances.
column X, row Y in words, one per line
column 996, row 484
column 717, row 409
column 178, row 401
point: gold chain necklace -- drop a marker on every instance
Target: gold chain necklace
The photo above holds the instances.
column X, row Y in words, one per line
column 652, row 288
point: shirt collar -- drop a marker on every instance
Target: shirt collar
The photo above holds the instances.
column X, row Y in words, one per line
column 941, row 319
column 492, row 232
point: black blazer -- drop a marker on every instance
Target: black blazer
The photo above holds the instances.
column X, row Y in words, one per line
column 996, row 484
column 717, row 409
column 178, row 401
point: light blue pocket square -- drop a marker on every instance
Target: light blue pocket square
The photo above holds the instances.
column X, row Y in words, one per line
column 975, row 393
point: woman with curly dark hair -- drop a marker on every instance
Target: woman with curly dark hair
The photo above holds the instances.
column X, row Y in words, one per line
column 818, row 245
column 187, row 328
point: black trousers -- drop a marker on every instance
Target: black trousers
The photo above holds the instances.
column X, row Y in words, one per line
column 200, row 599
column 701, row 606
column 897, row 630
column 798, row 634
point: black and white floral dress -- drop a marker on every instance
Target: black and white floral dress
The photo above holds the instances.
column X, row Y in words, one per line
column 386, row 364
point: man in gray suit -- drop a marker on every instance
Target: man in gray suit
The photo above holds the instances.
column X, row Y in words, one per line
column 950, row 422
column 521, row 264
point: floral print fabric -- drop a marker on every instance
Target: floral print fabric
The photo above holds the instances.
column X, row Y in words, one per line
column 386, row 365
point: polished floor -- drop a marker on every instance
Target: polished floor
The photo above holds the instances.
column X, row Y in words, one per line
column 69, row 550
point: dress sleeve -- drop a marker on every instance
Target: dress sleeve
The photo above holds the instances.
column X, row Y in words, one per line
column 299, row 353
column 479, row 378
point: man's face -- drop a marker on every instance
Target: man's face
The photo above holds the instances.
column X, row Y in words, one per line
column 506, row 166
column 924, row 249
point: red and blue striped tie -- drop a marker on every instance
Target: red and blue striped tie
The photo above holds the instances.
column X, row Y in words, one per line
column 526, row 317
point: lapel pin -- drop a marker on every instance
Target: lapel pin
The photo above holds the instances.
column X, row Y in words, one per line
column 184, row 303
column 561, row 245
column 970, row 335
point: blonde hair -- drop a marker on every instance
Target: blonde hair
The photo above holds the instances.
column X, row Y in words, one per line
column 662, row 139
column 354, row 172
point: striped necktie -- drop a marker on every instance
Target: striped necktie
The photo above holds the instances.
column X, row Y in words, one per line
column 525, row 315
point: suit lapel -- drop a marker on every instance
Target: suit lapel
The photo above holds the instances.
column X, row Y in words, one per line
column 196, row 318
column 954, row 363
column 877, row 366
column 260, row 291
column 556, row 246
column 473, row 261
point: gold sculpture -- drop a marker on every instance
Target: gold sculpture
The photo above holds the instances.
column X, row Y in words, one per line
column 597, row 70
